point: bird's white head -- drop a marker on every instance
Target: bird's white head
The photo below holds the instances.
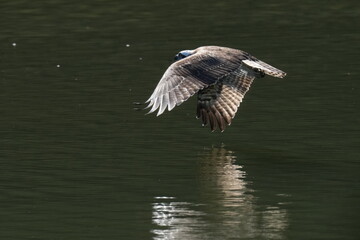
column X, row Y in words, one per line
column 183, row 54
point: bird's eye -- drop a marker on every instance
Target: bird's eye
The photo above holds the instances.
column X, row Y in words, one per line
column 179, row 56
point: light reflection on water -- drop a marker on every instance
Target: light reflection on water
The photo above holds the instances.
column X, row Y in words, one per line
column 176, row 220
column 230, row 208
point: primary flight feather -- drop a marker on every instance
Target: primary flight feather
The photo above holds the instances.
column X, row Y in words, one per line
column 220, row 76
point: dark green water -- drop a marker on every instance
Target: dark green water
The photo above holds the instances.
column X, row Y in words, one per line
column 78, row 162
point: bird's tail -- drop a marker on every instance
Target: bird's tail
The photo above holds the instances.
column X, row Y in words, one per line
column 266, row 68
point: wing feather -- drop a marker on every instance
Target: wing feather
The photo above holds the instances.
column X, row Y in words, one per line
column 223, row 99
column 172, row 100
column 164, row 103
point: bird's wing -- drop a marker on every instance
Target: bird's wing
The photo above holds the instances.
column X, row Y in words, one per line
column 186, row 77
column 218, row 104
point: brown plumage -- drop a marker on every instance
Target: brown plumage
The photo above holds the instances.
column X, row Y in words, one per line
column 221, row 77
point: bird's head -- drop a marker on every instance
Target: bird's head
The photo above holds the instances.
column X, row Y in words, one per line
column 183, row 54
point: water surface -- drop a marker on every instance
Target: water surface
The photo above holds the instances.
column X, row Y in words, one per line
column 77, row 161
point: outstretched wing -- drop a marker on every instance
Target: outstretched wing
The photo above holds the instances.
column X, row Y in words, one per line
column 218, row 104
column 186, row 77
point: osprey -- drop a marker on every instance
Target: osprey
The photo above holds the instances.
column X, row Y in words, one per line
column 220, row 76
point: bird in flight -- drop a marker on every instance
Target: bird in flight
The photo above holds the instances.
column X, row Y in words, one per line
column 220, row 76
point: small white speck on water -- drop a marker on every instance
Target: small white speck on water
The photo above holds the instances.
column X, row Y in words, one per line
column 127, row 45
column 140, row 58
column 58, row 65
column 14, row 44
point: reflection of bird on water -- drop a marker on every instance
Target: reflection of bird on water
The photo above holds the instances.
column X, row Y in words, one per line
column 227, row 207
column 221, row 175
column 221, row 76
column 230, row 198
